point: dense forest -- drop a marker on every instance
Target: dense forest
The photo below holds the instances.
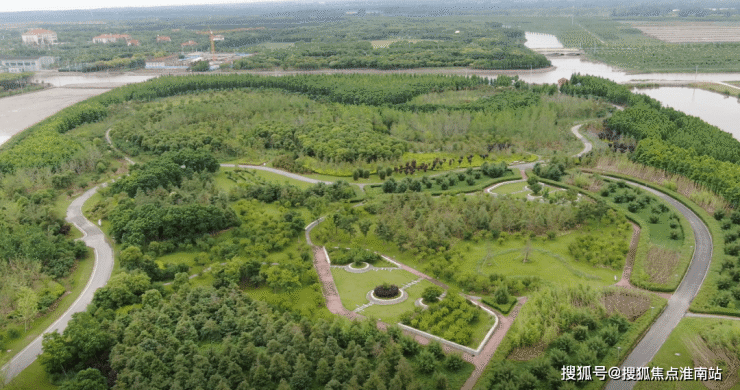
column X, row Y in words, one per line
column 220, row 339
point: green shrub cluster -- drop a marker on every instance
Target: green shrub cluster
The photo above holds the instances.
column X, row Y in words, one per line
column 342, row 256
column 452, row 319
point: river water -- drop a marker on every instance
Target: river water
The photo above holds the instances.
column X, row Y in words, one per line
column 714, row 108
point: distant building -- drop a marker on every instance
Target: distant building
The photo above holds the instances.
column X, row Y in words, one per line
column 39, row 36
column 111, row 38
column 133, row 42
column 170, row 62
column 24, row 64
column 189, row 43
column 163, row 38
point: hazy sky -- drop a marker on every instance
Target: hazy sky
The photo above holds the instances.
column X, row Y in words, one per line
column 53, row 5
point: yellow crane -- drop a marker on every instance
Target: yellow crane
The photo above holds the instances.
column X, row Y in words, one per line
column 214, row 38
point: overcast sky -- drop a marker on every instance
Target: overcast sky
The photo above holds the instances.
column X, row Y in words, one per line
column 54, row 5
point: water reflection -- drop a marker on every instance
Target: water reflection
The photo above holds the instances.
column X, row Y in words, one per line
column 713, row 108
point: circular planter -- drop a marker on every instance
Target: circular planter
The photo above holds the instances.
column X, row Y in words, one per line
column 365, row 266
column 382, row 301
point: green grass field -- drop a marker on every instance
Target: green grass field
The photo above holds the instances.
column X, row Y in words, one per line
column 34, row 377
column 391, row 314
column 549, row 259
column 679, row 352
column 353, row 288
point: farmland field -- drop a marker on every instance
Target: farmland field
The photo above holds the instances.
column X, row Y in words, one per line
column 694, row 32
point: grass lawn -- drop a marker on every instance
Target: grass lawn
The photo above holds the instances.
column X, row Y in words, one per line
column 391, row 314
column 33, row 377
column 661, row 261
column 481, row 328
column 660, row 230
column 678, row 352
column 549, row 259
column 245, row 175
column 353, row 288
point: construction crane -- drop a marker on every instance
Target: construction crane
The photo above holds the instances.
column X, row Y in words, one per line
column 214, row 38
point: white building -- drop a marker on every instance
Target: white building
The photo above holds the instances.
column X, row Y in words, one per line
column 39, row 36
column 110, row 38
column 24, row 64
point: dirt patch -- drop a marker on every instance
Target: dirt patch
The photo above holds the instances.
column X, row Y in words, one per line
column 661, row 264
column 704, row 356
column 630, row 304
column 524, row 354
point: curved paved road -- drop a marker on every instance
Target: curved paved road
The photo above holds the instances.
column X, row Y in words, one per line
column 679, row 303
column 279, row 172
column 94, row 238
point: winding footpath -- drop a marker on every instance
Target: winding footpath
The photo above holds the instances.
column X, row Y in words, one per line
column 94, row 238
column 645, row 350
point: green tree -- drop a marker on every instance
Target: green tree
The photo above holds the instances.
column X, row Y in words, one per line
column 374, row 383
column 27, row 305
column 323, row 371
column 431, row 294
column 365, row 225
column 56, row 355
column 427, row 361
column 341, row 370
column 301, row 378
column 88, row 379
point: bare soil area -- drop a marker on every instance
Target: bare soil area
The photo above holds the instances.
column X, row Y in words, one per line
column 523, row 354
column 697, row 32
column 630, row 304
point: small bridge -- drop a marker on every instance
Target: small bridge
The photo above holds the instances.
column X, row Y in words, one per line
column 560, row 52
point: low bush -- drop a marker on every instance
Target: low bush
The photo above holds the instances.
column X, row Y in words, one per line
column 386, row 290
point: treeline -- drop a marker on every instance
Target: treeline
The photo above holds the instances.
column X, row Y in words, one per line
column 671, row 140
column 273, row 192
column 420, row 221
column 483, row 53
column 675, row 128
column 376, row 90
column 250, row 345
column 10, row 81
column 138, row 225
